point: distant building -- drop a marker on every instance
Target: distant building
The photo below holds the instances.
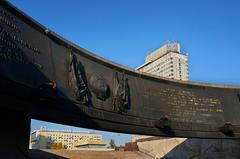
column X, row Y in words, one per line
column 91, row 144
column 46, row 139
column 167, row 61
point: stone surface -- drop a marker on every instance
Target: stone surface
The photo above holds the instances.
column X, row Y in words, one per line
column 75, row 154
column 182, row 148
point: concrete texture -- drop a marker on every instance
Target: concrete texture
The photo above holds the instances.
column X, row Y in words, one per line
column 177, row 148
column 159, row 148
column 206, row 149
column 75, row 154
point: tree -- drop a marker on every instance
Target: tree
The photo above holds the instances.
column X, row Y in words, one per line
column 57, row 146
column 112, row 144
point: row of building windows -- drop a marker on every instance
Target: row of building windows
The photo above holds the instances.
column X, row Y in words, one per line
column 159, row 65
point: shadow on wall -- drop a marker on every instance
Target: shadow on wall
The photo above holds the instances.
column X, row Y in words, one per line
column 205, row 149
column 41, row 154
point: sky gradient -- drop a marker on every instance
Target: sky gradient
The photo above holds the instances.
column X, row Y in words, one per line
column 126, row 31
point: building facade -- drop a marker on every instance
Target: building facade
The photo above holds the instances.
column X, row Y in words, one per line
column 167, row 61
column 91, row 144
column 45, row 139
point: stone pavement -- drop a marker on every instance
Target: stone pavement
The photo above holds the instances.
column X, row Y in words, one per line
column 79, row 154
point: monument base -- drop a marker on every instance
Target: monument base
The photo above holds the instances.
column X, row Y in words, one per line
column 14, row 135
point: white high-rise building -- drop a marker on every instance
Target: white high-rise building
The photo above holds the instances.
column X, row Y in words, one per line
column 167, row 61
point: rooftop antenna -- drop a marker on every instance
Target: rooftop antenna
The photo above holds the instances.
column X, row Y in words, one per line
column 167, row 42
column 43, row 128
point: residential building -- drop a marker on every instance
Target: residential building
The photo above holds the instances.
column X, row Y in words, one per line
column 167, row 61
column 45, row 139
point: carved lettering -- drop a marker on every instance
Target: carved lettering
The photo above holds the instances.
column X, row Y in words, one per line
column 8, row 20
column 5, row 34
column 186, row 106
column 10, row 51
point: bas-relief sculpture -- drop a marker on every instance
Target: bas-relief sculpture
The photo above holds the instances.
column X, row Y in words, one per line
column 99, row 87
column 95, row 93
column 77, row 80
column 121, row 101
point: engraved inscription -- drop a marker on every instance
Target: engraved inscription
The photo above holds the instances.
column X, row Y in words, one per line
column 8, row 20
column 9, row 50
column 186, row 106
column 11, row 22
column 18, row 40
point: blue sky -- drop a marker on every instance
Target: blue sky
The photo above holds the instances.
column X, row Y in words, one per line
column 125, row 31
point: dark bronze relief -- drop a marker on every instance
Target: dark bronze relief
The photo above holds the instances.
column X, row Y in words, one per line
column 227, row 129
column 121, row 94
column 238, row 97
column 164, row 125
column 99, row 87
column 77, row 80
